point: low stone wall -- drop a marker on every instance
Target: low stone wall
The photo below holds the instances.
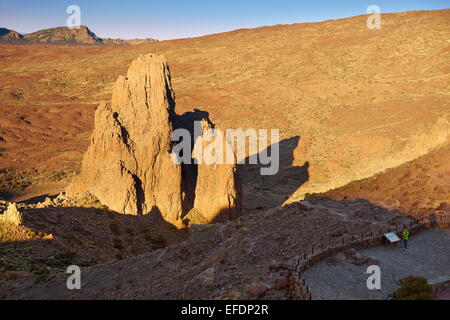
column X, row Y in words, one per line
column 298, row 287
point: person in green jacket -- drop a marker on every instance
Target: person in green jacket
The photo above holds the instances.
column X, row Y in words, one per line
column 405, row 237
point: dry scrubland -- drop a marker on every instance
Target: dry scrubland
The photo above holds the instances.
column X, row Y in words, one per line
column 353, row 101
column 419, row 187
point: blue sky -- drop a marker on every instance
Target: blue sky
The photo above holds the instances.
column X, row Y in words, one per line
column 170, row 19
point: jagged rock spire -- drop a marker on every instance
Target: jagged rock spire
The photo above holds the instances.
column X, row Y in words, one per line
column 129, row 165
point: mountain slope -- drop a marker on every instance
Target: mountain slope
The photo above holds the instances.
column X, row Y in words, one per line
column 421, row 186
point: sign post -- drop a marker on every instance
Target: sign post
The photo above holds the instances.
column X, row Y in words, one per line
column 390, row 238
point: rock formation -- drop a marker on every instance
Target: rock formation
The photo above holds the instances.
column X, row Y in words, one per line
column 6, row 34
column 12, row 215
column 129, row 165
column 216, row 189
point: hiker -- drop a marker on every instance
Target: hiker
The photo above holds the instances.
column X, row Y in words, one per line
column 405, row 237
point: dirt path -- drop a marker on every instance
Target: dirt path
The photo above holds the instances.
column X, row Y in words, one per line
column 343, row 276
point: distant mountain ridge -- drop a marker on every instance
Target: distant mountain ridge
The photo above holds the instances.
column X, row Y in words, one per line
column 82, row 35
column 6, row 34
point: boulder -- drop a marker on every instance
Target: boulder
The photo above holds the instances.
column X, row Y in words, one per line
column 12, row 215
column 257, row 291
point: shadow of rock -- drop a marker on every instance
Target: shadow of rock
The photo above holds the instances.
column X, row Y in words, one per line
column 263, row 192
column 85, row 234
column 5, row 196
column 39, row 199
column 189, row 172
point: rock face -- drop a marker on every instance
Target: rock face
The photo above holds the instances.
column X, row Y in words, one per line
column 6, row 34
column 216, row 194
column 12, row 215
column 129, row 165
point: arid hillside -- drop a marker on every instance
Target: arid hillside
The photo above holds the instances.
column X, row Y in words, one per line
column 350, row 102
column 421, row 186
column 6, row 34
column 64, row 34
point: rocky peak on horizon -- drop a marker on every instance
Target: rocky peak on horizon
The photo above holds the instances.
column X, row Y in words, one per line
column 7, row 34
column 82, row 35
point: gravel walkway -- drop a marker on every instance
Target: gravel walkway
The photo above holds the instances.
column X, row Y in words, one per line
column 343, row 276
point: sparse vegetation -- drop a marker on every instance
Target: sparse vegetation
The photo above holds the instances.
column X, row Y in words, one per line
column 17, row 254
column 204, row 246
column 60, row 175
column 13, row 181
column 157, row 242
column 114, row 226
column 16, row 94
column 194, row 217
column 414, row 288
column 11, row 233
column 59, row 261
column 144, row 229
column 117, row 244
